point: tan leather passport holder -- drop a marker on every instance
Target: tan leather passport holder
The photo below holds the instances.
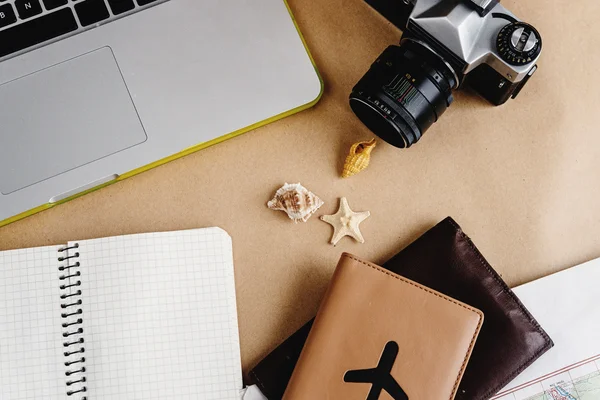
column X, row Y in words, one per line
column 380, row 336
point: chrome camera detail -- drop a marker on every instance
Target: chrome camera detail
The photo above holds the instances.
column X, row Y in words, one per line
column 446, row 45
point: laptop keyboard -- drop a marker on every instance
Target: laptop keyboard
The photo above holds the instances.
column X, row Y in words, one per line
column 27, row 24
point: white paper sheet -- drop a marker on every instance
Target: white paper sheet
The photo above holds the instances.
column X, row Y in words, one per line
column 159, row 316
column 253, row 393
column 567, row 306
column 31, row 342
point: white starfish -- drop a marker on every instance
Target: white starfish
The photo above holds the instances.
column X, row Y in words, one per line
column 346, row 222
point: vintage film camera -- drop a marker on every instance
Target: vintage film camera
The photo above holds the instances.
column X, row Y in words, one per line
column 446, row 45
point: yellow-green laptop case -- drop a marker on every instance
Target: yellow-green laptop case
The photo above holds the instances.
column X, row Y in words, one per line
column 57, row 200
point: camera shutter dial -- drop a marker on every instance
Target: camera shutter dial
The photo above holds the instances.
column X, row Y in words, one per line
column 519, row 43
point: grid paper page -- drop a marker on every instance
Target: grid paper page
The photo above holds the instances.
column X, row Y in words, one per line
column 31, row 351
column 159, row 317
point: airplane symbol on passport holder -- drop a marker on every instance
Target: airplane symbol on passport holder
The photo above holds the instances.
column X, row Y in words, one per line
column 380, row 377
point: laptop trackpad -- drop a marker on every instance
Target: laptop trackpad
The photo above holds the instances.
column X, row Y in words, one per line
column 63, row 117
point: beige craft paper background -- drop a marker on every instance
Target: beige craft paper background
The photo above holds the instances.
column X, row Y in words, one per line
column 523, row 180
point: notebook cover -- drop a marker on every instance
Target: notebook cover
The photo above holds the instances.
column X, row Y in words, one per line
column 377, row 332
column 446, row 260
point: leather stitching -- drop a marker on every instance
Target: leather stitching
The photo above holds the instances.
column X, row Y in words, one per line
column 441, row 296
column 515, row 301
column 258, row 382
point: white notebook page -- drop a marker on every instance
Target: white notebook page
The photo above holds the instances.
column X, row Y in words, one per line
column 159, row 316
column 31, row 350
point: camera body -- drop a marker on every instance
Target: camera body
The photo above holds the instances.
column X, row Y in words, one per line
column 456, row 43
column 464, row 33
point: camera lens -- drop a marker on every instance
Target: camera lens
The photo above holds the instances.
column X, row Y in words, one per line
column 404, row 92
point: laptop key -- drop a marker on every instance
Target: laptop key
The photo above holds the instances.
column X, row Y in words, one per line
column 28, row 8
column 36, row 31
column 7, row 15
column 121, row 6
column 144, row 2
column 52, row 4
column 91, row 11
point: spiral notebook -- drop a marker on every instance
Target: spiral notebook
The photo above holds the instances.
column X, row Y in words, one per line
column 149, row 316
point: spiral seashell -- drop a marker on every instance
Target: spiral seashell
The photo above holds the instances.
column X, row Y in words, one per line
column 359, row 157
column 298, row 202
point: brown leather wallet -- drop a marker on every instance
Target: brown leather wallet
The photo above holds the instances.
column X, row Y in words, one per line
column 446, row 260
column 377, row 332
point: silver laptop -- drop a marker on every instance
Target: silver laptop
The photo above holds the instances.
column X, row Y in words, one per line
column 92, row 91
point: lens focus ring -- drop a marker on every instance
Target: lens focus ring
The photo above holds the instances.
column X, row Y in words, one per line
column 404, row 92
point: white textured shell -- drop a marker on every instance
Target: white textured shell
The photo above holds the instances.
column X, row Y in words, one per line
column 298, row 202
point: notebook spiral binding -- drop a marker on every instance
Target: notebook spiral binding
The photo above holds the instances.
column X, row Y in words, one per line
column 71, row 314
